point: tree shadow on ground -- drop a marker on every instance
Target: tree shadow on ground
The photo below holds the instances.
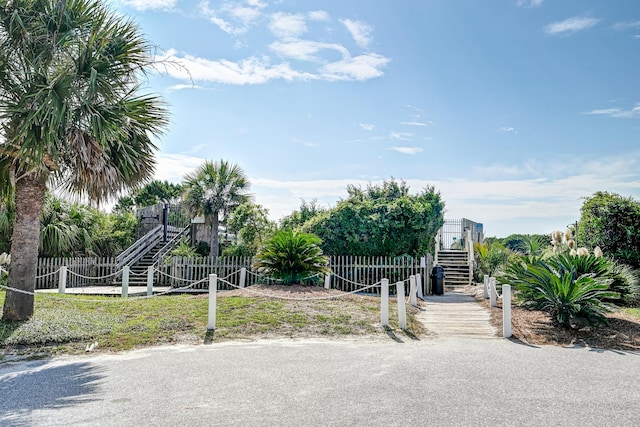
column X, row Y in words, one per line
column 31, row 386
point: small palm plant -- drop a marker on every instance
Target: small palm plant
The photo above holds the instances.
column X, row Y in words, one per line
column 558, row 287
column 291, row 256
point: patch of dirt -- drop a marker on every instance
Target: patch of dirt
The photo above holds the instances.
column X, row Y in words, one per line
column 536, row 328
column 281, row 291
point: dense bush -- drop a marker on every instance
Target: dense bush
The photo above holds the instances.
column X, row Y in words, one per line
column 291, row 255
column 381, row 220
column 612, row 222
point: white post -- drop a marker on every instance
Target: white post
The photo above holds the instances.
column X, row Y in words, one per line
column 493, row 293
column 243, row 276
column 62, row 280
column 402, row 308
column 384, row 302
column 486, row 287
column 506, row 311
column 150, row 280
column 419, row 286
column 125, row 281
column 213, row 290
column 327, row 281
column 412, row 291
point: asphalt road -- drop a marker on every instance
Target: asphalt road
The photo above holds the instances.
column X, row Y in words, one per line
column 317, row 383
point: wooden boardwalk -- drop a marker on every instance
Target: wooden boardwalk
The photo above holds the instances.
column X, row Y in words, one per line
column 456, row 314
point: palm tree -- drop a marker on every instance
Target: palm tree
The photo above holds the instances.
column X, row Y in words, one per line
column 214, row 190
column 71, row 116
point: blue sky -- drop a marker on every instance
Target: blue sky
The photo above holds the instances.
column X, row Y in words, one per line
column 515, row 110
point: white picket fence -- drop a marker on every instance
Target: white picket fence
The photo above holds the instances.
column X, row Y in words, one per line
column 349, row 272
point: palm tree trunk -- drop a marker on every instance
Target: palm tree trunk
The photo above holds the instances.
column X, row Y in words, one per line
column 215, row 223
column 25, row 240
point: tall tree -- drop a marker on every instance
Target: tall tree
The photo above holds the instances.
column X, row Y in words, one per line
column 214, row 190
column 72, row 116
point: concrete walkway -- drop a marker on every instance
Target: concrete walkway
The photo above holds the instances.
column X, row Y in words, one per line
column 456, row 314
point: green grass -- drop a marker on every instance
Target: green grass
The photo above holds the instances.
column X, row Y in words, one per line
column 66, row 323
column 632, row 311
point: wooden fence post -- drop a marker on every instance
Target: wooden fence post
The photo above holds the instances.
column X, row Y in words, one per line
column 402, row 308
column 150, row 280
column 327, row 281
column 243, row 277
column 384, row 302
column 62, row 281
column 493, row 293
column 125, row 281
column 486, row 287
column 213, row 290
column 506, row 311
column 412, row 291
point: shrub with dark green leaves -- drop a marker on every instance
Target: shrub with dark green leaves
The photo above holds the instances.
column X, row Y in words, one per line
column 559, row 287
column 291, row 255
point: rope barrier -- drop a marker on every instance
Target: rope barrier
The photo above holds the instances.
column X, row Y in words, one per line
column 94, row 277
column 355, row 283
column 297, row 299
column 42, row 276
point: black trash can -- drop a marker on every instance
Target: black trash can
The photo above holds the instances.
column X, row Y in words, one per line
column 437, row 280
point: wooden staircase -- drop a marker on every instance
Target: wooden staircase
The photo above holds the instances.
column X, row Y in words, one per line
column 147, row 251
column 457, row 270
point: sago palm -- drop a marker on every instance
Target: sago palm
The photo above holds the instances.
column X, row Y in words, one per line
column 290, row 255
column 71, row 115
column 214, row 190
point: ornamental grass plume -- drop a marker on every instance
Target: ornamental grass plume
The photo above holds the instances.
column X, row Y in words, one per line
column 571, row 243
column 583, row 252
column 5, row 258
column 573, row 252
column 556, row 239
column 597, row 252
column 568, row 235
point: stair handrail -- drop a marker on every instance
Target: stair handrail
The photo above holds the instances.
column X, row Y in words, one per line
column 140, row 247
column 170, row 244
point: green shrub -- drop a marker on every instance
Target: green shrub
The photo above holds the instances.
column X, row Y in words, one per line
column 558, row 286
column 291, row 255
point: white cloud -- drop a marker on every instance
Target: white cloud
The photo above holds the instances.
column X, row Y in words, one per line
column 183, row 87
column 617, row 112
column 417, row 123
column 257, row 70
column 360, row 32
column 530, row 3
column 318, row 15
column 362, row 67
column 407, row 150
column 234, row 17
column 305, row 50
column 367, row 126
column 402, row 136
column 251, row 70
column 506, row 129
column 149, row 4
column 172, row 167
column 285, row 25
column 570, row 25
